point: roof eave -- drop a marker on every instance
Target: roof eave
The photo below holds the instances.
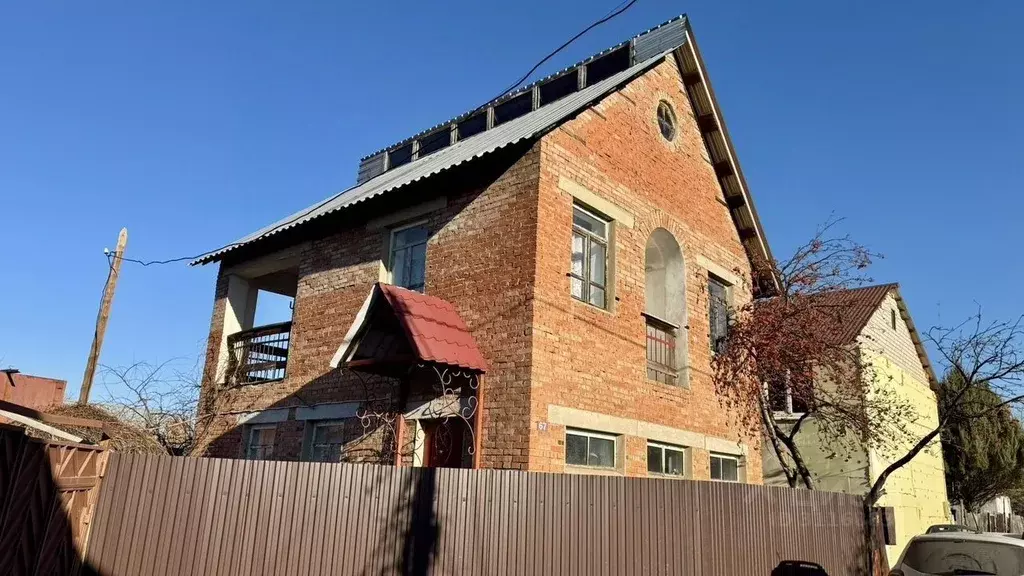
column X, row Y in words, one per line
column 727, row 169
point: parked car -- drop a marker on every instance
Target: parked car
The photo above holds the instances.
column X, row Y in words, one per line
column 949, row 528
column 961, row 554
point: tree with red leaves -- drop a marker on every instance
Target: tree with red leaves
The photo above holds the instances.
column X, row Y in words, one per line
column 784, row 361
column 782, row 350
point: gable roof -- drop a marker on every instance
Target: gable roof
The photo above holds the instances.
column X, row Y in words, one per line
column 631, row 58
column 432, row 329
column 858, row 305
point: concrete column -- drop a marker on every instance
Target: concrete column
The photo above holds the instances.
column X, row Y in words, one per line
column 239, row 312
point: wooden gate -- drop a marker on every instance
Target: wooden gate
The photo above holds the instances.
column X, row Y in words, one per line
column 48, row 493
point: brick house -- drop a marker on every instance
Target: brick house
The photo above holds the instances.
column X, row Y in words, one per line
column 536, row 284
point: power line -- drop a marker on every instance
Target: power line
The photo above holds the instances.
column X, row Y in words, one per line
column 614, row 13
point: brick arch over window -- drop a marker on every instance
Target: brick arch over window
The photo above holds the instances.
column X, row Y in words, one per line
column 665, row 307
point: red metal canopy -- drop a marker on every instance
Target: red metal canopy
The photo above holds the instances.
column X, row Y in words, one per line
column 429, row 330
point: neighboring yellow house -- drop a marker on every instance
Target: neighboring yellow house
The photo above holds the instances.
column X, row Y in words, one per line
column 877, row 322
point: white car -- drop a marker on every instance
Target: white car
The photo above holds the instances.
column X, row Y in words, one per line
column 961, row 554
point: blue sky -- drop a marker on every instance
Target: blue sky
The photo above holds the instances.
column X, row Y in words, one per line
column 194, row 123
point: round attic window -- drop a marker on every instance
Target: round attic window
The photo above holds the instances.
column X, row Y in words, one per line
column 666, row 120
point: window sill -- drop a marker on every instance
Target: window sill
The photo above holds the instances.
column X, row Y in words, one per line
column 663, row 476
column 788, row 416
column 232, row 385
column 593, row 470
column 682, row 380
column 590, row 306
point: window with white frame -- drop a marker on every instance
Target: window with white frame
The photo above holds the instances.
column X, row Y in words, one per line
column 328, row 442
column 666, row 459
column 725, row 468
column 588, row 275
column 718, row 312
column 408, row 256
column 260, row 442
column 583, row 448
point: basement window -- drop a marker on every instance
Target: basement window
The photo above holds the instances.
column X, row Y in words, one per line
column 514, row 108
column 559, row 87
column 435, row 141
column 328, row 442
column 260, row 442
column 608, row 65
column 400, row 156
column 584, row 448
column 665, row 459
column 725, row 468
column 473, row 125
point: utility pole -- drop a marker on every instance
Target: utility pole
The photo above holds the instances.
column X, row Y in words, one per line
column 102, row 317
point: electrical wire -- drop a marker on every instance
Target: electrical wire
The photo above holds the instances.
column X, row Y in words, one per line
column 614, row 13
column 611, row 15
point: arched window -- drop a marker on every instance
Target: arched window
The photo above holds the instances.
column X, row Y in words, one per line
column 665, row 310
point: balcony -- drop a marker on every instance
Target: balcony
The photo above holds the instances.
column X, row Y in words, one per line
column 259, row 354
column 661, row 350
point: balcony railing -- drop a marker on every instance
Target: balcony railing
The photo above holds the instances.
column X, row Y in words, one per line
column 661, row 351
column 259, row 354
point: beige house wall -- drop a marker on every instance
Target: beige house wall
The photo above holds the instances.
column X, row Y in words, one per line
column 839, row 468
column 917, row 492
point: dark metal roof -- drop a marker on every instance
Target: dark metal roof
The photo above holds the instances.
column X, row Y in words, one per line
column 532, row 117
column 527, row 126
column 659, row 47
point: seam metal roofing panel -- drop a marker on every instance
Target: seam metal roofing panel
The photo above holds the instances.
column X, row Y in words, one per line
column 524, row 127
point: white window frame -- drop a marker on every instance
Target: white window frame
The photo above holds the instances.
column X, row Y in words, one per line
column 312, row 437
column 733, row 457
column 586, row 279
column 391, row 250
column 589, row 434
column 252, row 428
column 684, row 451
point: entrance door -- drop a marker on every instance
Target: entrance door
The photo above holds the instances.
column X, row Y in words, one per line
column 443, row 442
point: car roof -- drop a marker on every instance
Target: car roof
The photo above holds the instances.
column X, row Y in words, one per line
column 1013, row 540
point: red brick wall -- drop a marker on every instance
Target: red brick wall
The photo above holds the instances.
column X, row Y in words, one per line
column 479, row 257
column 595, row 360
column 500, row 253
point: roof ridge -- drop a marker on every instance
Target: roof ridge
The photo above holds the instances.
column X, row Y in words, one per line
column 517, row 91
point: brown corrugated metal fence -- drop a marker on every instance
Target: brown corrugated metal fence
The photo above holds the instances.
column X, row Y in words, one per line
column 162, row 515
column 47, row 494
